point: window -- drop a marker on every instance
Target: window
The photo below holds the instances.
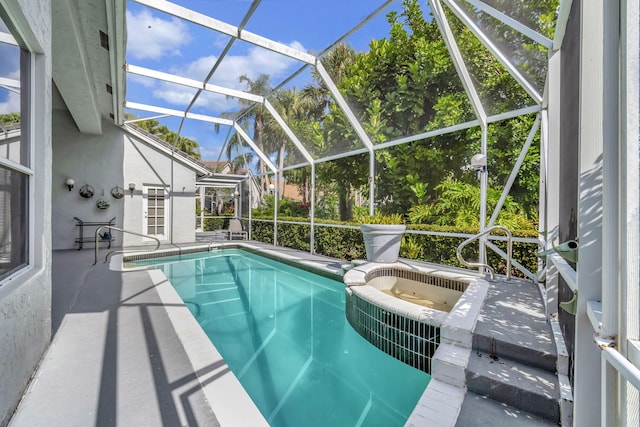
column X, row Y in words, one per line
column 15, row 172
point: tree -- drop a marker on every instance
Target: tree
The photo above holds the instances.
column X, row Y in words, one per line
column 9, row 119
column 407, row 84
column 334, row 133
column 294, row 109
column 184, row 144
column 459, row 203
column 253, row 116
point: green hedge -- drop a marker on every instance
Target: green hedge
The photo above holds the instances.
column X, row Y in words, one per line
column 212, row 224
column 348, row 244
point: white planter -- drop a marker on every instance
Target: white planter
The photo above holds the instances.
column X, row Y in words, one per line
column 382, row 241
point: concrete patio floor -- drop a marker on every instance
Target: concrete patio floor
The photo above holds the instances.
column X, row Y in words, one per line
column 113, row 359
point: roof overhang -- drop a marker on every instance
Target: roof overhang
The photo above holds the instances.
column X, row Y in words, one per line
column 221, row 180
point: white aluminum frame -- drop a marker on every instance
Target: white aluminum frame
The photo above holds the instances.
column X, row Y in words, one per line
column 514, row 24
column 495, row 51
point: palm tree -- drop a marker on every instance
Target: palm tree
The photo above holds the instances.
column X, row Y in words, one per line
column 336, row 62
column 253, row 116
column 341, row 172
column 296, row 111
column 184, row 144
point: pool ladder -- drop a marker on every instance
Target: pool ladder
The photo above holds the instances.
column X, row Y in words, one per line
column 122, row 230
column 482, row 264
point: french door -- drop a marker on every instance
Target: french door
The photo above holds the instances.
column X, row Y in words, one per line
column 155, row 205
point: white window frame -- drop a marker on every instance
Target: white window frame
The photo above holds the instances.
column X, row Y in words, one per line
column 28, row 171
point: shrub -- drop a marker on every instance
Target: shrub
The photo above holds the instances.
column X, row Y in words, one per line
column 348, row 244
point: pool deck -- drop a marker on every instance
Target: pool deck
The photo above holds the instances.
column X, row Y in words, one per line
column 123, row 353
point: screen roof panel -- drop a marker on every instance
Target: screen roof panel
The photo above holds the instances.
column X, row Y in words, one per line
column 498, row 90
column 529, row 57
column 537, row 15
column 289, row 27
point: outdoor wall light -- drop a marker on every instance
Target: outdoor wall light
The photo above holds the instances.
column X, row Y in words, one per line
column 236, row 194
column 132, row 187
column 69, row 183
column 479, row 164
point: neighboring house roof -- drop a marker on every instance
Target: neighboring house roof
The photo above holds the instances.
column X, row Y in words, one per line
column 217, row 166
column 12, row 131
column 152, row 140
column 292, row 192
column 7, row 128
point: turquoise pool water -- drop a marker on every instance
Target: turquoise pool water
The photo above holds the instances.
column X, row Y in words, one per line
column 283, row 333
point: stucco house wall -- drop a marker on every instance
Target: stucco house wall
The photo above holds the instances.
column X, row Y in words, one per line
column 25, row 297
column 153, row 165
column 94, row 160
column 115, row 159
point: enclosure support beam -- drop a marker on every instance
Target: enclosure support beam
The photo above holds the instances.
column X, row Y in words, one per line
column 288, row 131
column 515, row 170
column 495, row 51
column 629, row 332
column 255, row 148
column 516, row 25
column 224, row 28
column 337, row 96
column 312, row 212
column 483, row 201
column 456, row 56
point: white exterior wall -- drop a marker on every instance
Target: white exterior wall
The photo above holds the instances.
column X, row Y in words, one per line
column 147, row 166
column 25, row 299
column 98, row 161
column 88, row 159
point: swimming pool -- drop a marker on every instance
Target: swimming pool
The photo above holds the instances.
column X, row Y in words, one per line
column 284, row 334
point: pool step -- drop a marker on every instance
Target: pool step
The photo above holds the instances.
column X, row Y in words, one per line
column 482, row 411
column 513, row 383
column 539, row 354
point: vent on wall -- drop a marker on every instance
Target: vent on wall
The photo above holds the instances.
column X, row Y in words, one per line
column 104, row 40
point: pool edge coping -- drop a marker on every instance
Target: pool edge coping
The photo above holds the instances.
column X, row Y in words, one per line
column 229, row 401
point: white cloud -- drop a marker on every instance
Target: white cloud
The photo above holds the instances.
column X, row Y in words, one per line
column 11, row 104
column 150, row 37
column 142, row 80
column 209, row 151
column 174, row 95
column 257, row 61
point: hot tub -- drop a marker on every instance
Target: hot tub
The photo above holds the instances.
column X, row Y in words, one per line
column 418, row 292
column 408, row 312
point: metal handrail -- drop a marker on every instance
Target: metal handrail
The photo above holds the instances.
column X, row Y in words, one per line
column 122, row 230
column 481, row 264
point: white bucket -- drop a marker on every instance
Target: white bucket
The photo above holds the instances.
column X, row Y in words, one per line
column 382, row 241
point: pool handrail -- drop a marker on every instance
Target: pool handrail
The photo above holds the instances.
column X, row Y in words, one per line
column 481, row 264
column 122, row 230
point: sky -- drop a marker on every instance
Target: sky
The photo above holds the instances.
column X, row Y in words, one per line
column 10, row 69
column 161, row 42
